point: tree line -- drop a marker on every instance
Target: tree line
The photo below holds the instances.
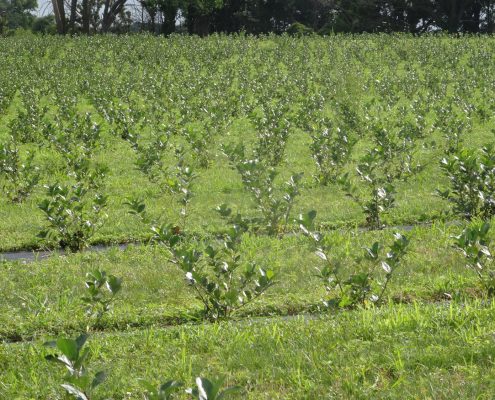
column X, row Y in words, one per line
column 203, row 17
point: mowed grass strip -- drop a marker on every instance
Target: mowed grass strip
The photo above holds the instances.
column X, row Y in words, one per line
column 415, row 351
column 45, row 297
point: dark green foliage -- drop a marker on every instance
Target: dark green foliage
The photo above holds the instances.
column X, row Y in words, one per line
column 101, row 290
column 298, row 29
column 259, row 180
column 364, row 282
column 79, row 383
column 15, row 14
column 297, row 17
column 74, row 213
column 44, row 25
column 19, row 176
column 354, row 16
column 472, row 182
column 474, row 243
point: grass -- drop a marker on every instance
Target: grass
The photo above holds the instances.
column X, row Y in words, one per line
column 416, row 199
column 46, row 299
column 432, row 339
column 416, row 351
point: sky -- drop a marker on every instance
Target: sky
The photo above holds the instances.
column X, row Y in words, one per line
column 44, row 8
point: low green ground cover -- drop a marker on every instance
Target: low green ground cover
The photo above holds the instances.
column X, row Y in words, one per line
column 47, row 298
column 415, row 351
column 192, row 149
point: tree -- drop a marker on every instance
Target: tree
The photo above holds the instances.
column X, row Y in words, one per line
column 59, row 13
column 478, row 16
column 84, row 14
column 45, row 25
column 357, row 16
column 263, row 16
column 199, row 15
column 169, row 10
column 449, row 14
column 16, row 14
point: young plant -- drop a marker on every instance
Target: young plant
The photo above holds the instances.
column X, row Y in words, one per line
column 310, row 109
column 76, row 138
column 74, row 213
column 389, row 161
column 211, row 390
column 20, row 177
column 79, row 383
column 149, row 157
column 259, row 180
column 200, row 136
column 205, row 390
column 472, row 182
column 273, row 128
column 163, row 392
column 101, row 292
column 331, row 150
column 27, row 124
column 368, row 285
column 126, row 121
column 137, row 207
column 454, row 124
column 215, row 271
column 474, row 243
column 181, row 186
column 379, row 196
column 379, row 170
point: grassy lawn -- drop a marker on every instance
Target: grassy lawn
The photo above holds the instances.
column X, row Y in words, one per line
column 416, row 351
column 47, row 299
column 431, row 336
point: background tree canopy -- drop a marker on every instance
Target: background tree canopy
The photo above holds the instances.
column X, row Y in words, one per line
column 203, row 17
column 16, row 14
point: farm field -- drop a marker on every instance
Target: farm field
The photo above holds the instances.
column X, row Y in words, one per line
column 307, row 217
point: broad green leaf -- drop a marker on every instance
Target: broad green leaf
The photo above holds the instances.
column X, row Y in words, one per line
column 79, row 395
column 69, row 348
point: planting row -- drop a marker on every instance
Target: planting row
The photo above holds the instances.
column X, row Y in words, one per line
column 374, row 127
